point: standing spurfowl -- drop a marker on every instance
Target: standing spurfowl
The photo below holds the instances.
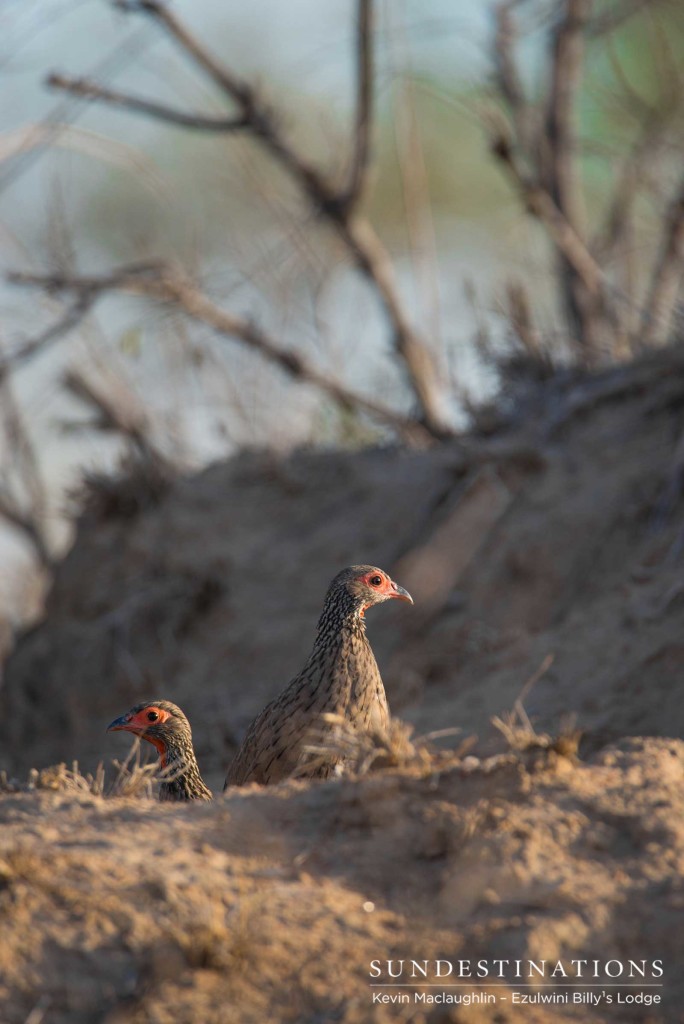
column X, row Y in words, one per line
column 164, row 725
column 341, row 677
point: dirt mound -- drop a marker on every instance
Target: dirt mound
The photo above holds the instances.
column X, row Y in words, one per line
column 556, row 533
column 272, row 904
column 559, row 533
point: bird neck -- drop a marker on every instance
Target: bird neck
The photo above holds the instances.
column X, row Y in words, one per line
column 181, row 778
column 341, row 616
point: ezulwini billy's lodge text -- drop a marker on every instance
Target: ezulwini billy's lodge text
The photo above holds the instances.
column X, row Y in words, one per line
column 520, row 998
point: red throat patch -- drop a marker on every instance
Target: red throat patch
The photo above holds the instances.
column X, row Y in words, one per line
column 160, row 746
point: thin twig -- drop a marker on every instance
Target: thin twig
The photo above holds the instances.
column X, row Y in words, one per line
column 25, row 515
column 521, row 320
column 370, row 256
column 175, row 289
column 564, row 183
column 112, row 414
column 374, row 260
column 25, row 352
column 531, row 683
column 507, row 77
column 560, row 172
column 630, row 177
column 364, row 104
column 541, row 204
column 87, row 88
column 261, row 120
column 667, row 277
column 545, row 169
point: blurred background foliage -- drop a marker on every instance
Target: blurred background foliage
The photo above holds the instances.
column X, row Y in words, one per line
column 84, row 187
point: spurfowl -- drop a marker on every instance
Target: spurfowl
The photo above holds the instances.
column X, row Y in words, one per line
column 341, row 677
column 164, row 725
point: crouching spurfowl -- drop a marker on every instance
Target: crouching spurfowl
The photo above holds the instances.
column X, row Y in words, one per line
column 164, row 725
column 341, row 677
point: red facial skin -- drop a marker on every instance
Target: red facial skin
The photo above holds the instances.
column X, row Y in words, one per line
column 386, row 589
column 139, row 725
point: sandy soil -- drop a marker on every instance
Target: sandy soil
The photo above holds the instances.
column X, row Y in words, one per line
column 271, row 904
column 559, row 533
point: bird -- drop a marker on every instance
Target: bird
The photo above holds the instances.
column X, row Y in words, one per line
column 164, row 725
column 341, row 677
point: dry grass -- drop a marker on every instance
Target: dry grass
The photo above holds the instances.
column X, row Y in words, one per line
column 336, row 739
column 519, row 732
column 133, row 778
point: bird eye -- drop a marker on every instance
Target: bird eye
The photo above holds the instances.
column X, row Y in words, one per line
column 375, row 581
column 152, row 716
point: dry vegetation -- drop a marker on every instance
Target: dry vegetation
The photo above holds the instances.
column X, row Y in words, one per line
column 609, row 210
column 528, row 800
column 270, row 905
column 517, row 843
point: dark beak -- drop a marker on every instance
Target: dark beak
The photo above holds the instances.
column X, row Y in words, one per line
column 400, row 593
column 118, row 723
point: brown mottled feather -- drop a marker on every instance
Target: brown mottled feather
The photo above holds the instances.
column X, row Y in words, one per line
column 341, row 677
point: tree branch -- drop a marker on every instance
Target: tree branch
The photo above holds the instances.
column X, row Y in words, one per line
column 364, row 104
column 87, row 88
column 667, row 277
column 359, row 238
column 173, row 288
column 542, row 206
column 260, row 120
column 543, row 165
column 374, row 261
column 28, row 515
column 113, row 416
column 507, row 77
column 27, row 351
column 560, row 172
column 630, row 177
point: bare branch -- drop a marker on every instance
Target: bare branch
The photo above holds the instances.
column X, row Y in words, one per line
column 29, row 349
column 374, row 261
column 260, row 119
column 364, row 103
column 112, row 414
column 87, row 88
column 507, row 77
column 26, row 515
column 543, row 164
column 541, row 205
column 667, row 277
column 369, row 254
column 81, row 305
column 630, row 177
column 161, row 11
column 175, row 289
column 521, row 320
column 559, row 168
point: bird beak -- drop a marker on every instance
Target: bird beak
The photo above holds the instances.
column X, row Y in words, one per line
column 400, row 593
column 119, row 723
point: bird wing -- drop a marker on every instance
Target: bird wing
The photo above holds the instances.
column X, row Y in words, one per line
column 272, row 747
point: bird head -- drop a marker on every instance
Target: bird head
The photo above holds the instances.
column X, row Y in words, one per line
column 367, row 585
column 160, row 722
